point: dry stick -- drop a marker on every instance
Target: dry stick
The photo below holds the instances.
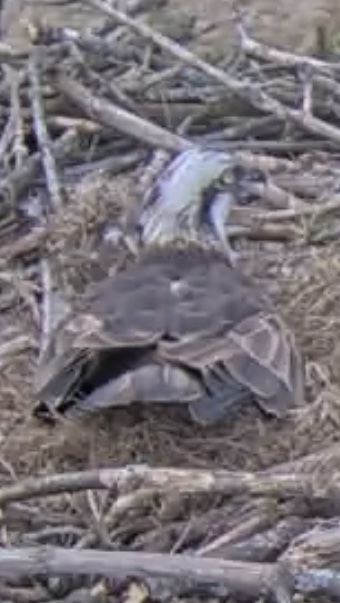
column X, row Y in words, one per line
column 96, row 522
column 256, row 96
column 276, row 197
column 283, row 58
column 7, row 136
column 319, row 186
column 15, row 184
column 22, row 594
column 267, row 163
column 262, row 544
column 316, row 581
column 313, row 210
column 238, row 533
column 16, row 346
column 274, row 146
column 320, row 463
column 53, row 306
column 317, row 546
column 155, row 79
column 48, row 160
column 23, row 246
column 27, row 171
column 9, row 56
column 327, row 84
column 119, row 509
column 13, row 132
column 99, row 82
column 245, row 129
column 115, row 164
column 314, row 558
column 250, row 579
column 20, row 150
column 270, row 233
column 82, row 125
column 115, row 117
column 130, row 478
column 109, row 114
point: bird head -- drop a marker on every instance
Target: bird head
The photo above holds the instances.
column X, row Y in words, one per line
column 192, row 197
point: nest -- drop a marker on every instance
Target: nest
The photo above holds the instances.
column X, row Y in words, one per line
column 140, row 504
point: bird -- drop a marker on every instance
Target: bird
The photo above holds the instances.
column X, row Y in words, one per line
column 181, row 324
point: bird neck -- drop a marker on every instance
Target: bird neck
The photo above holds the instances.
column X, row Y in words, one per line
column 185, row 238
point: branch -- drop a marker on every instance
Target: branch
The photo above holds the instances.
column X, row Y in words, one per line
column 43, row 139
column 10, row 56
column 130, row 478
column 248, row 579
column 17, row 181
column 254, row 94
column 20, row 149
column 283, row 58
column 108, row 114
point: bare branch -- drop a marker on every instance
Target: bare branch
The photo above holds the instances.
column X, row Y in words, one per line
column 16, row 182
column 111, row 115
column 48, row 160
column 252, row 579
column 133, row 477
column 260, row 99
column 280, row 57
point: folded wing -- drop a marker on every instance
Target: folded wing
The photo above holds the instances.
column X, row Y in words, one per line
column 177, row 327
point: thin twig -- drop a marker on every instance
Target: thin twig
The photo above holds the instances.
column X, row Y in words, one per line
column 7, row 137
column 279, row 57
column 17, row 181
column 120, row 508
column 20, row 150
column 48, row 159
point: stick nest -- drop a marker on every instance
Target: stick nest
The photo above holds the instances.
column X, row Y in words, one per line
column 87, row 118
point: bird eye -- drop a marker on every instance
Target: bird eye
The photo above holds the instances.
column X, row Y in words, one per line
column 227, row 178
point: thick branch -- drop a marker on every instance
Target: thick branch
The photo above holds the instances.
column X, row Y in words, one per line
column 115, row 117
column 250, row 579
column 130, row 478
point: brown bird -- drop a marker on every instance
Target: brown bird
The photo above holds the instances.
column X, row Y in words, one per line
column 181, row 324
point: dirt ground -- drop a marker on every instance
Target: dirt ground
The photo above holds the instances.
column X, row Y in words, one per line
column 150, row 436
column 285, row 23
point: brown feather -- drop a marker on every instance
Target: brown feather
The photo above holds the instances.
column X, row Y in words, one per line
column 179, row 325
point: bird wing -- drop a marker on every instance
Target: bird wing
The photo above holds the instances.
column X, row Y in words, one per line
column 111, row 338
column 259, row 353
column 177, row 326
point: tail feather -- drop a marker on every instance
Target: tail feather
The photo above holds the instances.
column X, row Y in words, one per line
column 218, row 400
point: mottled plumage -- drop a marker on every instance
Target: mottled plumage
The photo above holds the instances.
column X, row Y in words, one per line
column 180, row 325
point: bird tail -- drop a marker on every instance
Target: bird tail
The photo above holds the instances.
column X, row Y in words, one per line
column 218, row 400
